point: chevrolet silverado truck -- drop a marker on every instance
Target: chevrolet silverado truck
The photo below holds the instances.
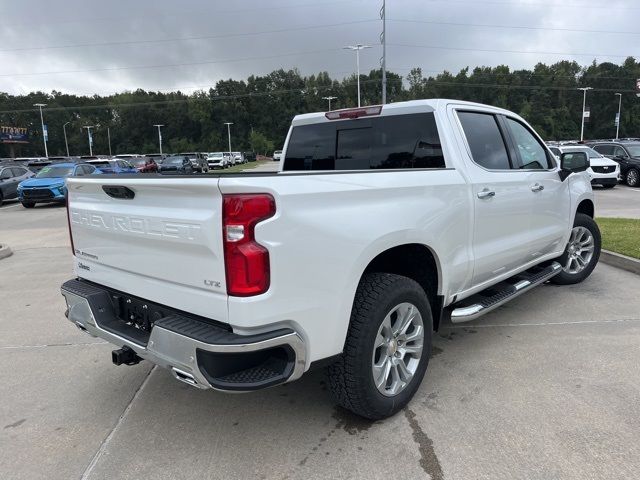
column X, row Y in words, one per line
column 382, row 223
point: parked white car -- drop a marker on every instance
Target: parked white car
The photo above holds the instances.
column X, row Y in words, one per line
column 238, row 157
column 217, row 160
column 383, row 221
column 277, row 155
column 602, row 170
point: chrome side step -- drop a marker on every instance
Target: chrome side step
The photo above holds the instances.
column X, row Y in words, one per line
column 480, row 304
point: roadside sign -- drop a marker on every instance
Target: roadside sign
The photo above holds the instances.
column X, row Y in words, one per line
column 90, row 138
column 45, row 132
column 587, row 114
column 638, row 87
column 617, row 120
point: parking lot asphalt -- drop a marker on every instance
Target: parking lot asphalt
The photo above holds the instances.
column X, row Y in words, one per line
column 546, row 387
column 621, row 201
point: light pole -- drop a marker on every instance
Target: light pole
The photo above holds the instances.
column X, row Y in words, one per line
column 584, row 104
column 44, row 132
column 228, row 124
column 159, row 126
column 66, row 144
column 329, row 98
column 618, row 117
column 357, row 47
column 383, row 38
column 90, row 138
column 109, row 139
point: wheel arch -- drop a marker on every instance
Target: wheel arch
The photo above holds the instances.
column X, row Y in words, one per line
column 586, row 206
column 418, row 262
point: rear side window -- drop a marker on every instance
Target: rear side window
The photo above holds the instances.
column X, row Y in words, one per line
column 18, row 172
column 389, row 142
column 485, row 140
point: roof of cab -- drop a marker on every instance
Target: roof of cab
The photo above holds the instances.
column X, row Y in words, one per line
column 411, row 106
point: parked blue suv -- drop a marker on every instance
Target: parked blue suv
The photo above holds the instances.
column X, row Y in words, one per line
column 49, row 184
column 116, row 166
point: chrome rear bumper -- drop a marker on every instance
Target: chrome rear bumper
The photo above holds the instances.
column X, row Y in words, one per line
column 196, row 353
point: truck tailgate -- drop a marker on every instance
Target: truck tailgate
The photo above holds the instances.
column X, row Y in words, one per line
column 164, row 244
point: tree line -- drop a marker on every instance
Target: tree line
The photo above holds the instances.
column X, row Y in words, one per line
column 261, row 107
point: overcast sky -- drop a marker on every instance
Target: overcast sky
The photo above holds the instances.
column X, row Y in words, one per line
column 153, row 44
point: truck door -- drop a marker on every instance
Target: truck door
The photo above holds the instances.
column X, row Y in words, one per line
column 550, row 202
column 501, row 196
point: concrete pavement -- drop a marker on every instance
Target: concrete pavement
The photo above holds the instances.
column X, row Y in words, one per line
column 547, row 386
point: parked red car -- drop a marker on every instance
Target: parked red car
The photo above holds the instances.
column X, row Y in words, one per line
column 144, row 164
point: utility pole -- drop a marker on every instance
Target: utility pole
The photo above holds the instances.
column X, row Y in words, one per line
column 357, row 47
column 329, row 98
column 66, row 144
column 584, row 104
column 44, row 131
column 618, row 118
column 90, row 138
column 228, row 124
column 159, row 136
column 109, row 139
column 383, row 40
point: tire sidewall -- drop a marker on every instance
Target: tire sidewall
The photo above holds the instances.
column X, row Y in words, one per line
column 565, row 278
column 412, row 293
column 637, row 177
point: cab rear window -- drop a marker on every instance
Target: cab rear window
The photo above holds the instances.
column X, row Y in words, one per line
column 389, row 142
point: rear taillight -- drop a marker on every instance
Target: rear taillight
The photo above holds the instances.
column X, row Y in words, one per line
column 73, row 250
column 246, row 261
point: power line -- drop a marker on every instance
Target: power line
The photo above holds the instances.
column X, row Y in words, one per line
column 517, row 27
column 141, row 67
column 535, row 4
column 191, row 99
column 183, row 39
column 48, row 21
column 439, row 47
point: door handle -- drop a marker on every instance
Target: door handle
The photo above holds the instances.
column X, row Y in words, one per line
column 537, row 188
column 486, row 193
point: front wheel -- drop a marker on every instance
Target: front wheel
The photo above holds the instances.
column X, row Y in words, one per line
column 633, row 177
column 582, row 252
column 387, row 349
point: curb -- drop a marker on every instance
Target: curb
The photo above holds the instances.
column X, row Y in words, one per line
column 620, row 261
column 5, row 251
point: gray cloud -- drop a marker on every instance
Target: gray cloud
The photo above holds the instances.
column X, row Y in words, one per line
column 237, row 53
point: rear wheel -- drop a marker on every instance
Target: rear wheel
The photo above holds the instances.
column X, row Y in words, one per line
column 28, row 204
column 387, row 349
column 633, row 177
column 582, row 252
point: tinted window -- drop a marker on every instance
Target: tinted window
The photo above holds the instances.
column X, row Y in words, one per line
column 532, row 154
column 390, row 142
column 619, row 152
column 604, row 149
column 6, row 173
column 18, row 172
column 485, row 140
column 87, row 169
column 555, row 150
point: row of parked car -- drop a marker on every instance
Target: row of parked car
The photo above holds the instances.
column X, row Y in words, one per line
column 35, row 180
column 611, row 161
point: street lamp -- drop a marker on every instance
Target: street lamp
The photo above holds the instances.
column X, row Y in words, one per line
column 357, row 47
column 584, row 104
column 618, row 117
column 329, row 98
column 66, row 144
column 44, row 132
column 228, row 124
column 109, row 139
column 89, row 127
column 159, row 126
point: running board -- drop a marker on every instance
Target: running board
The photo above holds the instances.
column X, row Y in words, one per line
column 498, row 295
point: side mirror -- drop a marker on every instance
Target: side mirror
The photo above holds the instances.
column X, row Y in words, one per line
column 573, row 163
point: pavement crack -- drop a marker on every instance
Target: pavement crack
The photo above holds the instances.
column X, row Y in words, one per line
column 105, row 443
column 428, row 458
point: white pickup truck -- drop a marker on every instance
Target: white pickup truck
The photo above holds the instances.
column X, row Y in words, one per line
column 381, row 222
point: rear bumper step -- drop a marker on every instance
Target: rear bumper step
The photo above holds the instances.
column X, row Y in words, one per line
column 200, row 354
column 484, row 302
